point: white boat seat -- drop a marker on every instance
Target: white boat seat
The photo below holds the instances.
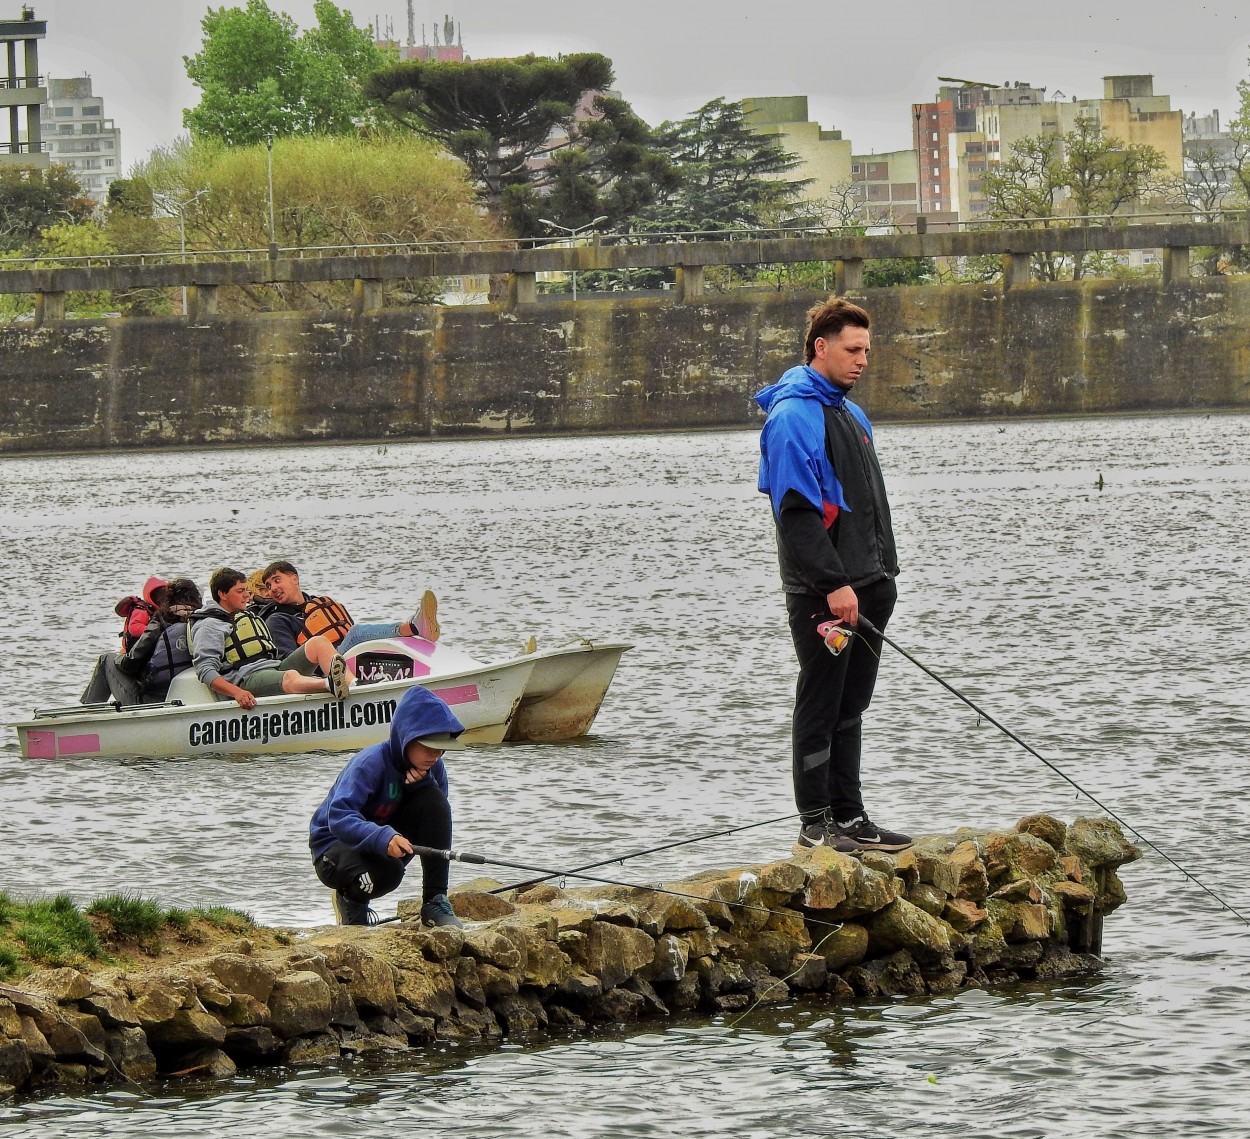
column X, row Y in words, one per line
column 190, row 689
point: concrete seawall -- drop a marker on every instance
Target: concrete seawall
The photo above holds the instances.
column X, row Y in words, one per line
column 966, row 910
column 613, row 364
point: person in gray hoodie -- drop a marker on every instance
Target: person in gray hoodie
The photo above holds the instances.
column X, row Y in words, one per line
column 235, row 656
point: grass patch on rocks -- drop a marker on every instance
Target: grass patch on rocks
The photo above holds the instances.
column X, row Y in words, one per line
column 51, row 933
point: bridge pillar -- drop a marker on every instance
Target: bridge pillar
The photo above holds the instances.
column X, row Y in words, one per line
column 368, row 294
column 522, row 289
column 848, row 275
column 48, row 307
column 1175, row 264
column 1017, row 270
column 201, row 302
column 689, row 282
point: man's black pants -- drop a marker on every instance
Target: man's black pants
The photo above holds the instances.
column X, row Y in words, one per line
column 424, row 819
column 830, row 699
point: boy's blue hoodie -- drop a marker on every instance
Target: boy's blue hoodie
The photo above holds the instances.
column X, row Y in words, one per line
column 792, row 444
column 371, row 786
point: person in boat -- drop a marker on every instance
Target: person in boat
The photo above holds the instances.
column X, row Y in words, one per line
column 164, row 649
column 390, row 797
column 294, row 615
column 260, row 603
column 837, row 556
column 142, row 673
column 137, row 611
column 235, row 655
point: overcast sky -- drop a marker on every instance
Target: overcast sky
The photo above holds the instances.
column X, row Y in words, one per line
column 860, row 69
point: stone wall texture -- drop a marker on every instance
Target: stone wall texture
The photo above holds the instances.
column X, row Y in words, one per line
column 606, row 364
column 952, row 912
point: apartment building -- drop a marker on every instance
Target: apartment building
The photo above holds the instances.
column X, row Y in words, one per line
column 77, row 135
column 888, row 187
column 969, row 128
column 22, row 94
column 824, row 155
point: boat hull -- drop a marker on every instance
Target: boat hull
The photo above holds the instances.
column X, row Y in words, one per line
column 565, row 692
column 484, row 699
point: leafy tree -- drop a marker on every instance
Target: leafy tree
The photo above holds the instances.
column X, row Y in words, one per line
column 132, row 228
column 327, row 192
column 79, row 239
column 1209, row 184
column 1051, row 179
column 1103, row 174
column 611, row 168
column 730, row 177
column 32, row 199
column 261, row 77
column 498, row 116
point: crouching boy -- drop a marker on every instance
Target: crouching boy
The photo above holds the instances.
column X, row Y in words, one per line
column 389, row 797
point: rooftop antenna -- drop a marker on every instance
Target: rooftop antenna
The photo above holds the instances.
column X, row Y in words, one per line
column 411, row 26
column 965, row 82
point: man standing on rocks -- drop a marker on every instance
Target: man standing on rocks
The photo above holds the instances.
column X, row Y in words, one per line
column 836, row 550
column 390, row 797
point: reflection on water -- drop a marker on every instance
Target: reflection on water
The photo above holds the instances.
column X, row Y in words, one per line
column 1107, row 628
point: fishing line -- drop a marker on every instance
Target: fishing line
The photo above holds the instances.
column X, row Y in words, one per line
column 745, row 881
column 651, row 850
column 1012, row 735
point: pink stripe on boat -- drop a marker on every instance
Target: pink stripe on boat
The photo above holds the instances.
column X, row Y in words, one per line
column 41, row 745
column 78, row 745
column 465, row 694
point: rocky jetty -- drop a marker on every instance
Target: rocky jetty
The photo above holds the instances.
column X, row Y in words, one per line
column 971, row 909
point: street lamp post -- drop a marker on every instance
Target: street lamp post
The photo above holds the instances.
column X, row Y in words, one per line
column 573, row 232
column 273, row 240
column 170, row 204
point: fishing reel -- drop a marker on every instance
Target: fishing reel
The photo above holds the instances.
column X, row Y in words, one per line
column 835, row 635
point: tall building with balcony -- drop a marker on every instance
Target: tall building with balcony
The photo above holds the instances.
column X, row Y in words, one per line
column 22, row 94
column 78, row 136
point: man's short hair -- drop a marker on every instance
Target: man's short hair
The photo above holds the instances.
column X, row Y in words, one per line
column 278, row 567
column 223, row 581
column 829, row 318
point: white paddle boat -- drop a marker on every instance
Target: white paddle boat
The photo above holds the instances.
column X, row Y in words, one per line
column 539, row 696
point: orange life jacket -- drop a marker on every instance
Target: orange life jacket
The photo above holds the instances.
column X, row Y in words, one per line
column 323, row 616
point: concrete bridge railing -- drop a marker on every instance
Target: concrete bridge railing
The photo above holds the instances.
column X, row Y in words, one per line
column 847, row 253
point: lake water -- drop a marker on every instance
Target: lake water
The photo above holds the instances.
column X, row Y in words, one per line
column 1108, row 628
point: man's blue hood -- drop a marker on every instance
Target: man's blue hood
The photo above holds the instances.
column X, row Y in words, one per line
column 792, row 444
column 802, row 382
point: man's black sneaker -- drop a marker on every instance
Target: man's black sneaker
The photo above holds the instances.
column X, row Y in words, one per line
column 438, row 911
column 822, row 834
column 349, row 912
column 868, row 836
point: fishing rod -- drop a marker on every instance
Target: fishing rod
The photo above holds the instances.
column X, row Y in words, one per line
column 548, row 872
column 867, row 624
column 641, row 853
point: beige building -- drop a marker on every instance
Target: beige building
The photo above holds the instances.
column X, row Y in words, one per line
column 886, row 185
column 22, row 93
column 824, row 155
column 988, row 120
